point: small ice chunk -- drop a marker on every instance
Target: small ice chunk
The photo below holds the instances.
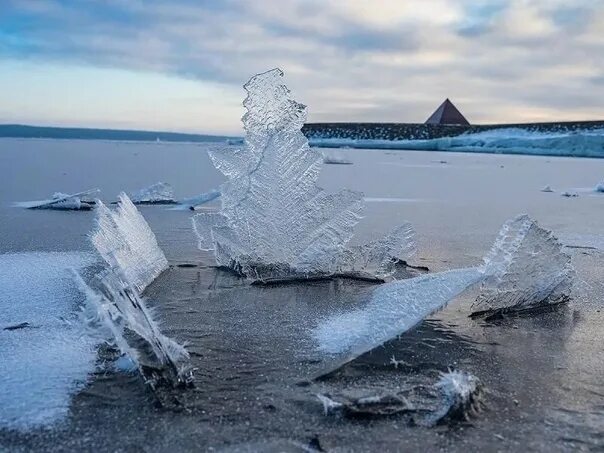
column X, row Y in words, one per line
column 335, row 158
column 62, row 201
column 158, row 193
column 569, row 194
column 125, row 241
column 600, row 187
column 462, row 397
column 547, row 189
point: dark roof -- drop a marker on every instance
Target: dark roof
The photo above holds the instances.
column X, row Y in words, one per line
column 447, row 113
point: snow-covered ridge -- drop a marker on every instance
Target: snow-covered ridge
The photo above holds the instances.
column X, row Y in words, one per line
column 578, row 143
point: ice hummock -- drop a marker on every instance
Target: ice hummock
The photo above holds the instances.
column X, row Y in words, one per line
column 526, row 268
column 511, row 140
column 61, row 201
column 117, row 315
column 45, row 354
column 275, row 222
column 158, row 193
column 125, row 241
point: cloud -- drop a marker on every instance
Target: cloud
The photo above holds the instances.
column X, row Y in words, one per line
column 386, row 60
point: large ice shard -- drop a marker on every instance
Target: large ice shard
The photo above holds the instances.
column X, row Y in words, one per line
column 275, row 221
column 119, row 316
column 526, row 268
column 393, row 309
column 125, row 241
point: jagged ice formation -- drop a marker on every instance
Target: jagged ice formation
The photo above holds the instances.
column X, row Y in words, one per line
column 275, row 221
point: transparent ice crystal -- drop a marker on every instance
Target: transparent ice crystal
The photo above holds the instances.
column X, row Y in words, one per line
column 274, row 220
column 126, row 243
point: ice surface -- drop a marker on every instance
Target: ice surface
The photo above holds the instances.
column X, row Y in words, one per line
column 49, row 359
column 61, row 201
column 158, row 193
column 275, row 221
column 125, row 241
column 583, row 143
column 526, row 267
column 118, row 315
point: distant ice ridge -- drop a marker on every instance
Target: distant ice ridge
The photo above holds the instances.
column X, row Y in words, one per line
column 526, row 268
column 275, row 222
column 584, row 143
column 45, row 354
column 124, row 240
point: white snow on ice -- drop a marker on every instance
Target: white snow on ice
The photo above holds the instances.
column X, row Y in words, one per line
column 41, row 365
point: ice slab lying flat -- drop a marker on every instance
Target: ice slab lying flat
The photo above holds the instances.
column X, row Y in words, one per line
column 125, row 241
column 276, row 222
column 62, row 201
column 49, row 359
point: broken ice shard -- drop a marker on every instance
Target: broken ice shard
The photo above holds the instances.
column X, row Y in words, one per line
column 119, row 316
column 274, row 220
column 526, row 269
column 461, row 397
column 125, row 241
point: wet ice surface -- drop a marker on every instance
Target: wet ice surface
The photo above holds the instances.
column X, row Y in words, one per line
column 45, row 354
column 253, row 345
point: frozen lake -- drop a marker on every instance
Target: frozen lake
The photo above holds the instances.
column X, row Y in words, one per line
column 543, row 374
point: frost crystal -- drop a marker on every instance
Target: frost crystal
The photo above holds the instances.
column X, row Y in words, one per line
column 275, row 221
column 119, row 316
column 125, row 241
column 462, row 397
column 526, row 268
column 158, row 193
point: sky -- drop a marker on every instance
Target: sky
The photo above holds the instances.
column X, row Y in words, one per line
column 179, row 65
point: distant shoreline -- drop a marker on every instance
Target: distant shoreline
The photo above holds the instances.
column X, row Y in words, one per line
column 77, row 133
column 335, row 130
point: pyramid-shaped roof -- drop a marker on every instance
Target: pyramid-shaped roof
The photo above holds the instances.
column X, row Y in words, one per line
column 447, row 113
